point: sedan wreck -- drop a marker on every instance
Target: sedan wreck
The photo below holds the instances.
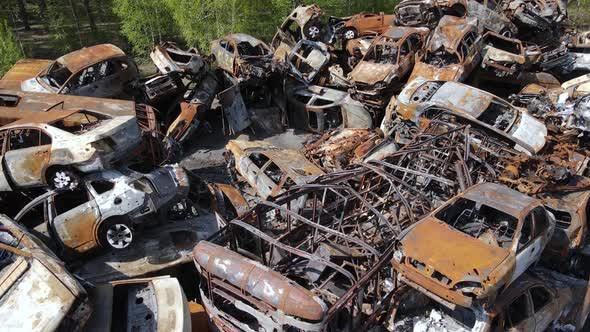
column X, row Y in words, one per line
column 486, row 238
column 98, row 71
column 243, row 57
column 267, row 169
column 53, row 147
column 422, row 98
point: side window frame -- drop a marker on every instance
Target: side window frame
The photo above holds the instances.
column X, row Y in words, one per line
column 39, row 130
column 522, row 246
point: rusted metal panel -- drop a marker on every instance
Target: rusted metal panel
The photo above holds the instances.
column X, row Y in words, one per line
column 24, row 70
column 234, row 109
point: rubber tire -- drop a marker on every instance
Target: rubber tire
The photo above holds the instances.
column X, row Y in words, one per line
column 103, row 228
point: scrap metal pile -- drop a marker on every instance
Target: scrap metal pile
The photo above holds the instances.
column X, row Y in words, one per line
column 443, row 183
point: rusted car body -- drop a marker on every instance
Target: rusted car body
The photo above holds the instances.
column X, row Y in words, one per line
column 534, row 15
column 489, row 17
column 307, row 60
column 486, row 237
column 427, row 13
column 243, row 57
column 421, row 98
column 506, row 56
column 168, row 57
column 337, row 149
column 148, row 304
column 50, row 148
column 452, row 52
column 319, row 109
column 269, row 170
column 108, row 209
column 38, row 293
column 538, row 300
column 98, row 71
column 364, row 23
column 304, row 22
column 388, row 61
column 570, row 209
column 579, row 48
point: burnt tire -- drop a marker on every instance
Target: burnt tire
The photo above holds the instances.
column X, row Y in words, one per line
column 349, row 33
column 63, row 179
column 115, row 234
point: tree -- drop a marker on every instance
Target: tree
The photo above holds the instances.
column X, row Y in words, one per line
column 10, row 51
column 144, row 23
column 24, row 16
column 89, row 15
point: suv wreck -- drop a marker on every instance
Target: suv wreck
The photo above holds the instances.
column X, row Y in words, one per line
column 452, row 52
column 388, row 61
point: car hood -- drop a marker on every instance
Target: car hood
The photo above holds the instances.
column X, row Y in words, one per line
column 531, row 131
column 371, row 73
column 432, row 73
column 456, row 255
column 26, row 69
column 32, row 85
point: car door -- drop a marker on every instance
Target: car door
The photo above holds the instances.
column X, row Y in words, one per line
column 405, row 58
column 75, row 216
column 371, row 22
column 530, row 245
column 519, row 315
column 4, row 184
column 26, row 156
column 544, row 306
column 225, row 56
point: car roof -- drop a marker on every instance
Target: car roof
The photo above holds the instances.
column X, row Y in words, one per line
column 88, row 56
column 242, row 37
column 463, row 97
column 501, row 198
column 396, row 32
column 449, row 32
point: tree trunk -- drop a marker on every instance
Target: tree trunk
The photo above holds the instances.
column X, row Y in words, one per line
column 22, row 10
column 89, row 14
column 42, row 6
column 76, row 20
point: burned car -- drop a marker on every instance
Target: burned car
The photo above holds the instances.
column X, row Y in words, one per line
column 267, row 169
column 506, row 56
column 242, row 56
column 427, row 99
column 388, row 61
column 168, row 58
column 38, row 293
column 427, row 13
column 534, row 15
column 317, row 109
column 148, row 304
column 362, row 24
column 451, row 52
column 486, row 237
column 304, row 22
column 489, row 17
column 308, row 60
column 539, row 300
column 108, row 209
column 54, row 147
column 98, row 71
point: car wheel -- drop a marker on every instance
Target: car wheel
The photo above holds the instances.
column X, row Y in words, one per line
column 64, row 179
column 349, row 33
column 506, row 33
column 313, row 32
column 116, row 234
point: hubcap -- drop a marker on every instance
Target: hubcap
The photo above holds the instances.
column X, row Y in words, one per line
column 314, row 31
column 349, row 34
column 63, row 180
column 119, row 236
